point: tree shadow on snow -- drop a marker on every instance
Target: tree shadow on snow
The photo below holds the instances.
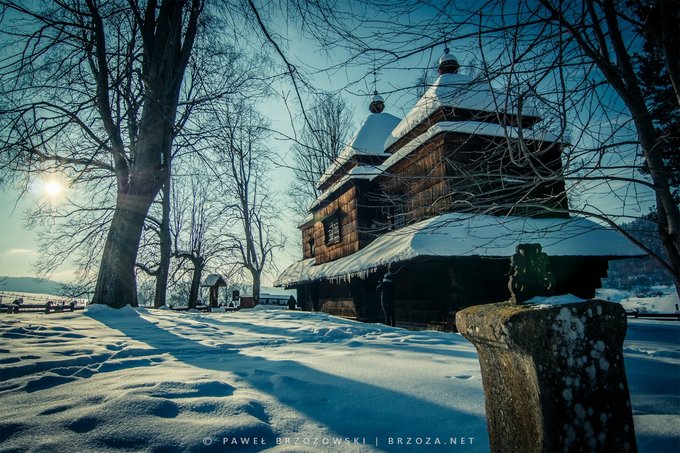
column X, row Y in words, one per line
column 348, row 408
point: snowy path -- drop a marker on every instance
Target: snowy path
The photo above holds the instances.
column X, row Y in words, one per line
column 164, row 381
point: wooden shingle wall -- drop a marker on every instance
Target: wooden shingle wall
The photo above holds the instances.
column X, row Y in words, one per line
column 457, row 172
column 307, row 236
column 496, row 175
column 345, row 207
column 418, row 183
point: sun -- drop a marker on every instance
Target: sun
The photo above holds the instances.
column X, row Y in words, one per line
column 53, row 188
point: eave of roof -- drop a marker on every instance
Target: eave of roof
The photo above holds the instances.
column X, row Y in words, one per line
column 361, row 172
column 369, row 140
column 468, row 235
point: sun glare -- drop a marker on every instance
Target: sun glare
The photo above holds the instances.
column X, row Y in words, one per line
column 53, row 188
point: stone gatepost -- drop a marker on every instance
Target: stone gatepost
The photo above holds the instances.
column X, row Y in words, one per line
column 553, row 375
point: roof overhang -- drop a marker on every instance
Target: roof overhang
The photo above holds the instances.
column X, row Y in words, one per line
column 468, row 235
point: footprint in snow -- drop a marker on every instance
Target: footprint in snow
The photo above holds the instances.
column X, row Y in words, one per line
column 257, row 410
column 60, row 329
column 9, row 360
column 115, row 347
column 72, row 335
column 83, row 425
column 192, row 390
column 46, row 382
column 55, row 410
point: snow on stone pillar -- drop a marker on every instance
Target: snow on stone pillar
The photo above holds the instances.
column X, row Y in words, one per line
column 553, row 375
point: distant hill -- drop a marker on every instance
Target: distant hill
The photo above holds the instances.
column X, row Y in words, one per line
column 35, row 285
column 30, row 285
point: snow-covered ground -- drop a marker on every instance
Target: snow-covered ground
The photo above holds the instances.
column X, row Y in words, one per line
column 156, row 380
column 657, row 299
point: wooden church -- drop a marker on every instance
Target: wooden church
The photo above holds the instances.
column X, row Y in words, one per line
column 444, row 195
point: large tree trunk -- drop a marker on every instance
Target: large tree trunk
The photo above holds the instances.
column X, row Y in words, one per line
column 257, row 282
column 668, row 213
column 620, row 73
column 165, row 247
column 195, row 284
column 116, row 283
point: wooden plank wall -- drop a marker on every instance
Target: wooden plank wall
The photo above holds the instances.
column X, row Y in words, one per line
column 338, row 173
column 578, row 275
column 428, row 292
column 339, row 307
column 459, row 172
column 436, row 117
column 346, row 206
column 419, row 182
column 307, row 235
column 480, row 171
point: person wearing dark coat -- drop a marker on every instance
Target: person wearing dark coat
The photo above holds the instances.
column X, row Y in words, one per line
column 291, row 303
column 386, row 288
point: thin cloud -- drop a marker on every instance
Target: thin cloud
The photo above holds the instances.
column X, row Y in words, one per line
column 15, row 252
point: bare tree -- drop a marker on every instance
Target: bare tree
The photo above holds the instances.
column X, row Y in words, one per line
column 74, row 229
column 598, row 30
column 240, row 137
column 324, row 133
column 216, row 70
column 68, row 80
column 82, row 150
column 198, row 222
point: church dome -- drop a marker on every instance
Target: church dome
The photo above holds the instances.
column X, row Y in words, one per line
column 448, row 64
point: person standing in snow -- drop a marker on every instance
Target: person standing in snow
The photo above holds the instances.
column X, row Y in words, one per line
column 386, row 288
column 291, row 303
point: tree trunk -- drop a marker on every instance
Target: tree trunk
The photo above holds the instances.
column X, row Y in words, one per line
column 668, row 214
column 195, row 284
column 621, row 75
column 165, row 247
column 257, row 276
column 116, row 282
column 676, row 280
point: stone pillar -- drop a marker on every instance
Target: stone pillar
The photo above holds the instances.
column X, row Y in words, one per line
column 554, row 377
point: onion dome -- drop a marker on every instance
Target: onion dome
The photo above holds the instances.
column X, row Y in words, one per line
column 377, row 104
column 448, row 64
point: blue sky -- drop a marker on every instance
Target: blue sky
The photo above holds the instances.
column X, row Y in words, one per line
column 18, row 247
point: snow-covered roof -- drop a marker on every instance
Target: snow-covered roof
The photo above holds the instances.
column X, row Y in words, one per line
column 468, row 127
column 369, row 140
column 211, row 279
column 456, row 234
column 458, row 91
column 308, row 218
column 367, row 172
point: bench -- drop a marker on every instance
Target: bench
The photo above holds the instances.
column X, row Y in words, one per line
column 203, row 308
column 636, row 314
column 49, row 307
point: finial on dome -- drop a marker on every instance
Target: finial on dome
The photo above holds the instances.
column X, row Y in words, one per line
column 448, row 64
column 377, row 104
